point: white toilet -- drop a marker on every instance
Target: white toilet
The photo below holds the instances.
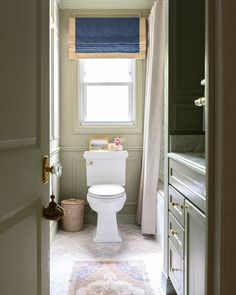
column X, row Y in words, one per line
column 106, row 194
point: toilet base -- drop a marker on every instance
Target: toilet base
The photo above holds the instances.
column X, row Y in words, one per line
column 107, row 229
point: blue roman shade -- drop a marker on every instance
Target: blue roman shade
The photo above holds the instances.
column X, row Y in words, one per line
column 107, row 38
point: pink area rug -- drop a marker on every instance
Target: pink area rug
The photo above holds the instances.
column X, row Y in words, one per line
column 109, row 278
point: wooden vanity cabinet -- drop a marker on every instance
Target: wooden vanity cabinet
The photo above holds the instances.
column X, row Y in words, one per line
column 194, row 250
column 176, row 266
column 186, row 54
column 186, row 232
column 191, row 184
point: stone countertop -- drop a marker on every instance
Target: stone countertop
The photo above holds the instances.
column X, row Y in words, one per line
column 195, row 161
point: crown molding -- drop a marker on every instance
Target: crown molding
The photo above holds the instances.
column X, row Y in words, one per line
column 105, row 4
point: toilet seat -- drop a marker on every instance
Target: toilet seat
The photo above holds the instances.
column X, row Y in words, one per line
column 106, row 191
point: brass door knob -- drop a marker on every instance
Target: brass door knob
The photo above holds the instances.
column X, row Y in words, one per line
column 56, row 169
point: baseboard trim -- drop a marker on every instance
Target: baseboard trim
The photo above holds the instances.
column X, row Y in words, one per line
column 167, row 285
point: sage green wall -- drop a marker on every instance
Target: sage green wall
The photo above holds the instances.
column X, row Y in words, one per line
column 73, row 181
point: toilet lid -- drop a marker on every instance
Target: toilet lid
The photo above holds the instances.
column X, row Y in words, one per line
column 106, row 191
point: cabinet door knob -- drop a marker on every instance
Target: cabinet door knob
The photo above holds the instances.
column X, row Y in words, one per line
column 172, row 269
column 174, row 232
column 174, row 204
column 200, row 102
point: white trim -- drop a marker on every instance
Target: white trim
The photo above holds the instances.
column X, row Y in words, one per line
column 135, row 127
column 105, row 4
column 110, row 13
column 17, row 143
column 82, row 98
column 55, row 151
column 85, row 148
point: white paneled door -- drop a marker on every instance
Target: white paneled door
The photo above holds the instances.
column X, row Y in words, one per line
column 24, row 139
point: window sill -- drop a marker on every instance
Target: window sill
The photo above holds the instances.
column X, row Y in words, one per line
column 121, row 128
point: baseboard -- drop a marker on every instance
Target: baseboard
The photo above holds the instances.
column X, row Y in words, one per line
column 167, row 285
column 122, row 219
column 53, row 230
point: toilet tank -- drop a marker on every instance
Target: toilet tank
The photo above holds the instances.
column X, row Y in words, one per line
column 105, row 167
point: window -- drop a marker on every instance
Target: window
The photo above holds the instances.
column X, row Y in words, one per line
column 107, row 92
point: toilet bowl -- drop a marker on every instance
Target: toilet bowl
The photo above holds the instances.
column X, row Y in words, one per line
column 106, row 194
column 106, row 200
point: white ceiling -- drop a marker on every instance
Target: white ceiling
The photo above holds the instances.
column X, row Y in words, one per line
column 105, row 4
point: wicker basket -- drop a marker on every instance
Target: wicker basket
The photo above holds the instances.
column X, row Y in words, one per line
column 73, row 220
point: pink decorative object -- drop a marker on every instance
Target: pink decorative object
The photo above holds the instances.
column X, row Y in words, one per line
column 117, row 140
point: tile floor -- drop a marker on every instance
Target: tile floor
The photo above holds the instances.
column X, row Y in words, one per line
column 69, row 247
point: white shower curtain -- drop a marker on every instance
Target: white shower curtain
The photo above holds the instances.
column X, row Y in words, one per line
column 154, row 95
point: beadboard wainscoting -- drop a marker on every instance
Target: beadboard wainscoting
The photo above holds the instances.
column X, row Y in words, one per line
column 73, row 181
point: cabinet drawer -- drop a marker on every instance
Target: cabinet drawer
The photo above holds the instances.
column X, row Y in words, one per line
column 176, row 269
column 195, row 261
column 190, row 183
column 176, row 234
column 176, row 205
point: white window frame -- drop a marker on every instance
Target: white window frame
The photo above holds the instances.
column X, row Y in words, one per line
column 133, row 126
column 83, row 98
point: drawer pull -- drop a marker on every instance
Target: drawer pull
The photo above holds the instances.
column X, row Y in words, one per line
column 174, row 204
column 174, row 232
column 172, row 269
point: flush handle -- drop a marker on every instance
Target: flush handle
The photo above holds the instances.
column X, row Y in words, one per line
column 89, row 163
column 56, row 169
